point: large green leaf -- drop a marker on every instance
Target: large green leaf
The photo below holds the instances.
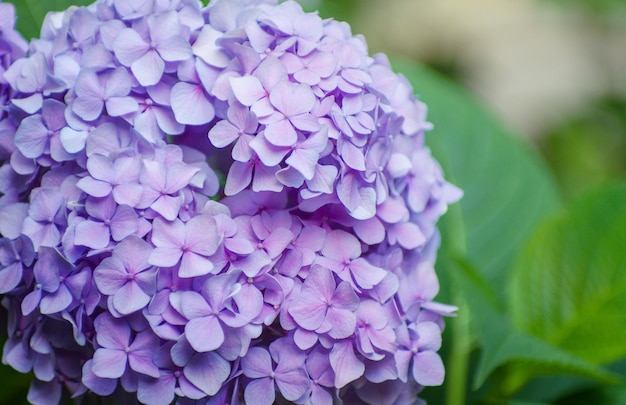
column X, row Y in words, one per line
column 30, row 13
column 605, row 395
column 503, row 344
column 569, row 286
column 508, row 189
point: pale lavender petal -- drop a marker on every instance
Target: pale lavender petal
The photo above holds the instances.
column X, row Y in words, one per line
column 265, row 179
column 194, row 265
column 130, row 298
column 345, row 364
column 292, row 99
column 305, row 122
column 168, row 234
column 370, row 231
column 206, row 48
column 123, row 223
column 11, row 219
column 117, row 106
column 281, row 133
column 179, row 175
column 340, row 323
column 100, row 168
column 239, row 177
column 174, row 49
column 293, row 383
column 277, row 241
column 428, row 369
column 247, row 89
column 196, row 333
column 109, row 363
column 148, row 69
column 56, row 302
column 168, row 206
column 257, row 363
column 269, row 154
column 110, row 276
column 340, row 245
column 111, row 332
column 73, row 141
column 191, row 105
column 365, row 274
column 260, row 392
column 118, row 84
column 92, row 234
column 308, row 311
column 88, row 109
column 165, row 256
column 93, row 187
column 407, row 234
column 223, row 134
column 141, row 361
column 304, row 161
column 32, row 137
column 128, row 194
column 30, row 104
column 129, row 46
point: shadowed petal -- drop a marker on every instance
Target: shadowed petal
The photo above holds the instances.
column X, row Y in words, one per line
column 56, row 302
column 260, row 392
column 207, row 371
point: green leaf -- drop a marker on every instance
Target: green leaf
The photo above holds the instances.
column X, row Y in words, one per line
column 503, row 344
column 569, row 286
column 508, row 189
column 30, row 13
column 13, row 385
column 605, row 395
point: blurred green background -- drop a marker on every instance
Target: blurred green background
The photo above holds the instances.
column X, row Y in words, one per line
column 528, row 98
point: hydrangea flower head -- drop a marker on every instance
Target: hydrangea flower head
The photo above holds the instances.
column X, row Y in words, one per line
column 128, row 269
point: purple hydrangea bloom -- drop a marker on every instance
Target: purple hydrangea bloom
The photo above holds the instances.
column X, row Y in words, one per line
column 128, row 271
column 289, row 374
column 127, row 277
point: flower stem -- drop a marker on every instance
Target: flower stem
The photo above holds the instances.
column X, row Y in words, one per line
column 458, row 360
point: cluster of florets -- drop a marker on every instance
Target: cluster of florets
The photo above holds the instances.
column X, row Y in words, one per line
column 126, row 269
